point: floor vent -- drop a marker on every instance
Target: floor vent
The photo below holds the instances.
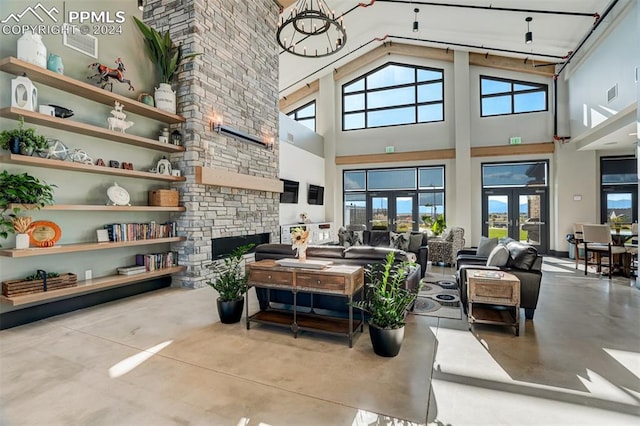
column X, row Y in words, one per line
column 84, row 43
column 612, row 93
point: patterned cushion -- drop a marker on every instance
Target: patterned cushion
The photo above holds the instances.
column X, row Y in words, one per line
column 400, row 241
column 349, row 238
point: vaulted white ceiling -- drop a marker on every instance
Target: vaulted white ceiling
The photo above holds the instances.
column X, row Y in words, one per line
column 496, row 27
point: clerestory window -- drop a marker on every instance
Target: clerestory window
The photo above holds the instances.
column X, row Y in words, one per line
column 391, row 95
column 500, row 96
column 305, row 115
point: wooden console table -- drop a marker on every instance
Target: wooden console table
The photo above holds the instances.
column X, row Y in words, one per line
column 336, row 280
column 493, row 298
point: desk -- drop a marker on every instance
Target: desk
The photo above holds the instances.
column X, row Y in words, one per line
column 337, row 280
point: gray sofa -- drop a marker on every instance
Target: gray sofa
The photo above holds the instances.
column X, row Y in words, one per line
column 330, row 305
column 416, row 243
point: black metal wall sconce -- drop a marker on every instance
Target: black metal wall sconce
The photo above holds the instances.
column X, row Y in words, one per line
column 220, row 128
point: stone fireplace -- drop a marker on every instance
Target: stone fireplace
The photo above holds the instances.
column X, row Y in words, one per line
column 235, row 78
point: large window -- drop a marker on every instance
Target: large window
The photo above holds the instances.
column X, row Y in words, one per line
column 391, row 95
column 499, row 96
column 619, row 188
column 415, row 194
column 305, row 115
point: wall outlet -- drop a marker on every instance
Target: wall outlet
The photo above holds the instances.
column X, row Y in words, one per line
column 88, row 274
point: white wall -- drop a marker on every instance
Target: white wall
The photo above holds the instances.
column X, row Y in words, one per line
column 306, row 168
column 613, row 60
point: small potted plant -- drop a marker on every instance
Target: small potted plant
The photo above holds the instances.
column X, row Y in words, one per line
column 168, row 59
column 21, row 140
column 20, row 191
column 387, row 302
column 22, row 226
column 617, row 221
column 230, row 282
column 438, row 225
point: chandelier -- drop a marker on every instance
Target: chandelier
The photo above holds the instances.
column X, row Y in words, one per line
column 311, row 30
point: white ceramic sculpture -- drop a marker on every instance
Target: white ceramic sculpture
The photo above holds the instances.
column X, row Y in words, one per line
column 118, row 119
column 31, row 49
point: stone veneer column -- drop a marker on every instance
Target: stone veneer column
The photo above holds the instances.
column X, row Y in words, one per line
column 236, row 77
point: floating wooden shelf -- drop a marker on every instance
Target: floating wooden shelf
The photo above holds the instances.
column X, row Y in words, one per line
column 87, row 168
column 87, row 129
column 78, row 247
column 100, row 207
column 79, row 88
column 90, row 286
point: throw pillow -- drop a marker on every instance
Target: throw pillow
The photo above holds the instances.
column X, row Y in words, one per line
column 415, row 242
column 486, row 246
column 499, row 256
column 400, row 241
column 522, row 255
column 349, row 238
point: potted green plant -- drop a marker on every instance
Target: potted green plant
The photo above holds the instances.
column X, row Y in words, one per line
column 438, row 225
column 20, row 191
column 387, row 303
column 168, row 58
column 21, row 140
column 230, row 281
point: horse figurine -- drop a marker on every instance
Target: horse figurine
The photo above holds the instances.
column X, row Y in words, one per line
column 104, row 73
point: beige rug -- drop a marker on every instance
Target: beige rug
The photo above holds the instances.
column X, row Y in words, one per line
column 439, row 297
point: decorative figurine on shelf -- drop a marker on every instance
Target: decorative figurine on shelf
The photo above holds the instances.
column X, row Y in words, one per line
column 304, row 218
column 118, row 119
column 104, row 73
column 80, row 156
column 176, row 137
column 164, row 167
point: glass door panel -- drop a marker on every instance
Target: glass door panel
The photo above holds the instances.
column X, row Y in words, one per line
column 531, row 226
column 404, row 213
column 379, row 212
column 498, row 220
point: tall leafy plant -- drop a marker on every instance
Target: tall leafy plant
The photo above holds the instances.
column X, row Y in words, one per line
column 163, row 52
column 230, row 278
column 387, row 301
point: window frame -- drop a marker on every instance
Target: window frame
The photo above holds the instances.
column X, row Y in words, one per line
column 415, row 105
column 541, row 87
column 294, row 114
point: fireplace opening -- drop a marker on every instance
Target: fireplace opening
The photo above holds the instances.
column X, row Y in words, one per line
column 222, row 247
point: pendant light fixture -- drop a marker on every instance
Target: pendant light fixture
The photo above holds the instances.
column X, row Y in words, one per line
column 528, row 37
column 415, row 20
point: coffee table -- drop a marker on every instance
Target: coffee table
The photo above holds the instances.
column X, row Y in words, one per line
column 336, row 280
column 493, row 297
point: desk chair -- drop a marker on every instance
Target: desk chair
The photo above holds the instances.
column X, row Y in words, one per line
column 597, row 239
column 578, row 239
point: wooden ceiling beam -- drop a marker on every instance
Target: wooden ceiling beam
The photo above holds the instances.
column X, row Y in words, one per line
column 293, row 97
column 392, row 48
column 530, row 66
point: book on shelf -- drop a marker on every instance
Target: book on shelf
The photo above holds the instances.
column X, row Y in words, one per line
column 131, row 270
column 153, row 261
column 140, row 231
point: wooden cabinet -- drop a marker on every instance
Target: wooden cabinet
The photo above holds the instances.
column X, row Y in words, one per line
column 79, row 89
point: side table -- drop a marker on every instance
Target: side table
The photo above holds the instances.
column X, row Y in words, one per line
column 493, row 298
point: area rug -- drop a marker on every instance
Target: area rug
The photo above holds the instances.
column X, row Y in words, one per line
column 439, row 297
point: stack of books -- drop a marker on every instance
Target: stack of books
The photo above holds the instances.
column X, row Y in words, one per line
column 132, row 270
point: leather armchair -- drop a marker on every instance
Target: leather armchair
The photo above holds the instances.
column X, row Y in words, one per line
column 530, row 277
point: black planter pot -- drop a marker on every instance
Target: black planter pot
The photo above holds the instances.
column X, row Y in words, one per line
column 230, row 312
column 386, row 341
column 14, row 145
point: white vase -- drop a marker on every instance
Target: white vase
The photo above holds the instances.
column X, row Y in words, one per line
column 165, row 98
column 22, row 241
column 31, row 49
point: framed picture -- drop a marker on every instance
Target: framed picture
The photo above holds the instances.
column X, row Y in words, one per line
column 103, row 235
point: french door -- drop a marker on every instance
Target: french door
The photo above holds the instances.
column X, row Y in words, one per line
column 518, row 213
column 393, row 211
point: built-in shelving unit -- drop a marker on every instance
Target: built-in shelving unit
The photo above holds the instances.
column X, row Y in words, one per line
column 78, row 247
column 87, row 129
column 87, row 286
column 80, row 88
column 26, row 160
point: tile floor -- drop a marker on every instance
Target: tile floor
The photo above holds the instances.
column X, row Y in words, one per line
column 164, row 359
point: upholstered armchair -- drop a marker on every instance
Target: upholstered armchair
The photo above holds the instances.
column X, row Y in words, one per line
column 445, row 249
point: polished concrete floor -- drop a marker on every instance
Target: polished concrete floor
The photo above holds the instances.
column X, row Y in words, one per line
column 164, row 359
